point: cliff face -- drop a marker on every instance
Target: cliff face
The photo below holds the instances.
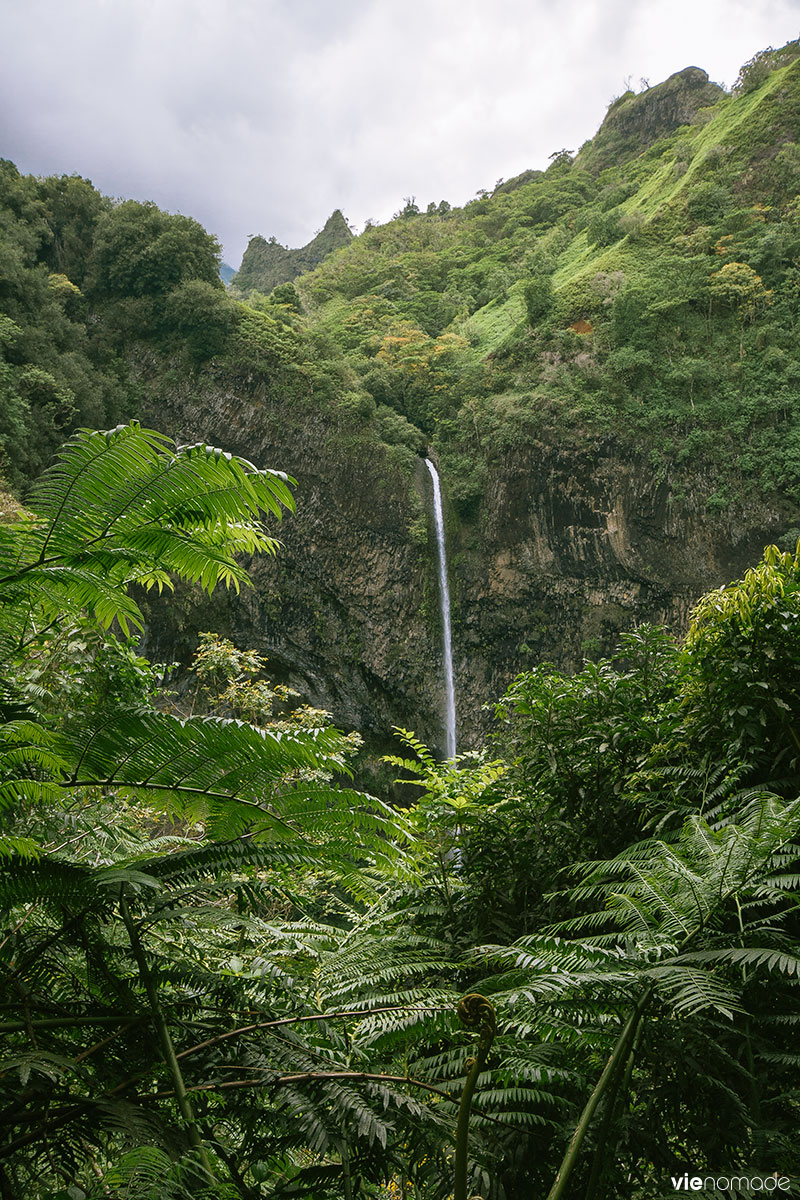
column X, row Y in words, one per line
column 346, row 612
column 573, row 548
column 568, row 548
column 615, row 427
column 605, row 364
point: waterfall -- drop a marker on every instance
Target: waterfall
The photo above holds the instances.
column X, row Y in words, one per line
column 444, row 606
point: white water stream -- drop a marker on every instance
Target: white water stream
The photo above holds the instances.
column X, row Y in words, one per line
column 444, row 607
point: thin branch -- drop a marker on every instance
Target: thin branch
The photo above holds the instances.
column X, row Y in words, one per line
column 356, row 1012
column 18, row 925
column 618, row 1054
column 49, row 941
column 282, row 1080
column 181, row 789
column 69, row 1022
column 473, row 1009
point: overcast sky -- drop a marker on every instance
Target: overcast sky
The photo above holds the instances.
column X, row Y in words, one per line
column 262, row 116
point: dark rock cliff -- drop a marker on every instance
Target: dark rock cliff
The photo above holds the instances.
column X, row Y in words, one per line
column 346, row 611
column 568, row 549
column 574, row 547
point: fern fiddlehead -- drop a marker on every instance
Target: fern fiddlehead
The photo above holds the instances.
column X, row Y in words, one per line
column 476, row 1012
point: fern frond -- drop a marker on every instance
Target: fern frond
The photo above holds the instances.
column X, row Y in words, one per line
column 754, row 956
column 49, row 880
column 126, row 505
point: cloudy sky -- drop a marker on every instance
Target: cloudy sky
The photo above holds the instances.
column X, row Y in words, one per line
column 262, row 116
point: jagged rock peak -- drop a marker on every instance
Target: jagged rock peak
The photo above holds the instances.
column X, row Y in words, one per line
column 633, row 122
column 336, row 223
column 267, row 263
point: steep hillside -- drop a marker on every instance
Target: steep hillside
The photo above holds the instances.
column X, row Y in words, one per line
column 267, row 263
column 605, row 359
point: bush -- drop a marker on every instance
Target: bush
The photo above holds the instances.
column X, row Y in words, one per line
column 758, row 69
column 539, row 298
column 261, row 343
column 604, row 228
column 395, row 429
column 202, row 316
column 707, row 203
column 286, row 293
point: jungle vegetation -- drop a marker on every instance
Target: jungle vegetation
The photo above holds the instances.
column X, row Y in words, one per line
column 227, row 973
column 643, row 290
column 267, row 264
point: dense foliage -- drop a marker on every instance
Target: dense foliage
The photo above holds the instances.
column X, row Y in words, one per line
column 645, row 287
column 227, row 974
column 267, row 265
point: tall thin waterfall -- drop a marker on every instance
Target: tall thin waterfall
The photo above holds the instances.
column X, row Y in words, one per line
column 444, row 605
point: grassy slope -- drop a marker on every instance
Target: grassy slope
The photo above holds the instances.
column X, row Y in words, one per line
column 383, row 253
column 702, row 376
column 663, row 187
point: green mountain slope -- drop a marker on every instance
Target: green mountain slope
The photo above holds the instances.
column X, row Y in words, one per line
column 602, row 357
column 646, row 286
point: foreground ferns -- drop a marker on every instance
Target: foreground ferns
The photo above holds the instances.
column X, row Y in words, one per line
column 107, row 940
column 685, row 930
column 223, row 974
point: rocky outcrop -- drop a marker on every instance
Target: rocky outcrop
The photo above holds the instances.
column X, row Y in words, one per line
column 635, row 122
column 346, row 612
column 575, row 547
column 267, row 263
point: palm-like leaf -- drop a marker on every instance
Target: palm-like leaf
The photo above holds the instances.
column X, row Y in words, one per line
column 234, row 777
column 661, row 903
column 690, row 928
column 126, row 505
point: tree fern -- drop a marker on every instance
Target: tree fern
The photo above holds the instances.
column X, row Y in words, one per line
column 131, row 934
column 127, row 506
column 665, row 939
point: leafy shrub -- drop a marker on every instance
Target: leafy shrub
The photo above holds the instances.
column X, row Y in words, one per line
column 286, row 293
column 758, row 69
column 202, row 316
column 632, row 223
column 630, row 364
column 395, row 429
column 262, row 343
column 707, row 203
column 357, row 407
column 539, row 298
column 604, row 228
